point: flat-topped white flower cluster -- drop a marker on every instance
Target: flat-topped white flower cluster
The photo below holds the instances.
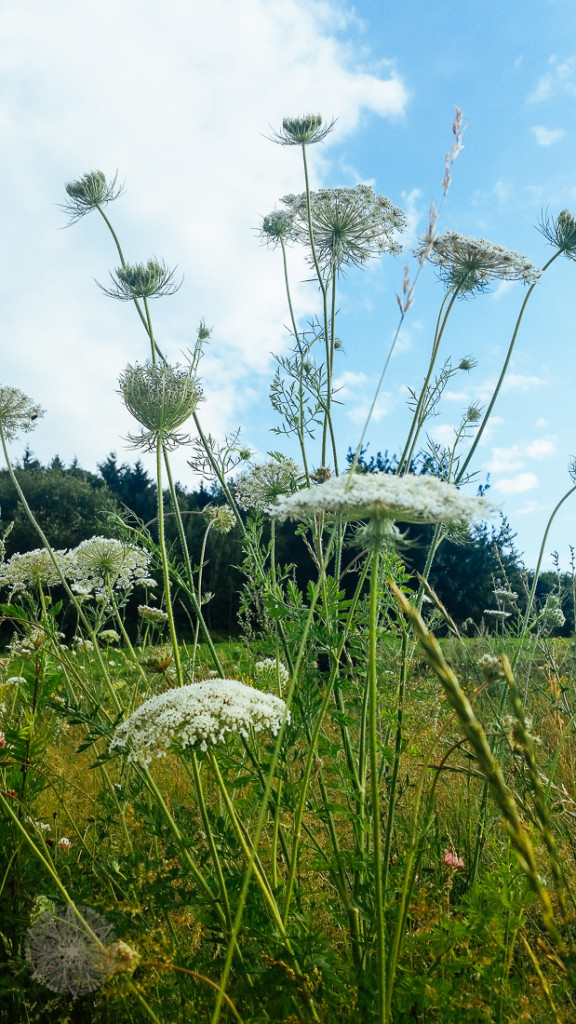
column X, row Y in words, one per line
column 404, row 499
column 197, row 715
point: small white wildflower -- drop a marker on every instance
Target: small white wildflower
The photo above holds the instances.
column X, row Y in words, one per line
column 271, row 672
column 109, row 636
column 552, row 617
column 496, row 613
column 350, row 225
column 148, row 614
column 197, row 715
column 260, row 486
column 24, row 646
column 15, row 680
column 490, row 666
column 83, row 645
column 64, row 845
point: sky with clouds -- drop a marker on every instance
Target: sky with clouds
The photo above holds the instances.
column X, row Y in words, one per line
column 180, row 99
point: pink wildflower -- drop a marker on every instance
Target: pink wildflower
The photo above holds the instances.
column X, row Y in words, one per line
column 452, row 860
column 64, row 844
column 2, row 740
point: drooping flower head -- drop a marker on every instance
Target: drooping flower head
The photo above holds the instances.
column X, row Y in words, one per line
column 161, row 397
column 220, row 518
column 101, row 563
column 198, row 715
column 142, row 281
column 18, row 413
column 349, row 225
column 303, row 131
column 385, row 499
column 469, row 264
column 561, row 233
column 260, row 486
column 88, row 193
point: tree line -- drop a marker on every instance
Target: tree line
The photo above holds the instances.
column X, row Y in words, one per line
column 72, row 504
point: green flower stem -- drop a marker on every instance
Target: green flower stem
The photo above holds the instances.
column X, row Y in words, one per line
column 264, row 807
column 165, row 565
column 209, row 837
column 327, row 427
column 396, row 763
column 419, row 417
column 503, row 372
column 144, row 318
column 125, row 637
column 539, row 794
column 195, row 871
column 372, row 688
column 46, row 544
column 296, row 334
column 190, row 590
column 220, row 477
column 260, row 876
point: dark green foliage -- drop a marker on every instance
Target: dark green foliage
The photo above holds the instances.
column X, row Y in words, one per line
column 69, row 504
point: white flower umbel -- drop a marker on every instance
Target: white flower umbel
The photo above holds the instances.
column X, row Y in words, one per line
column 101, row 563
column 260, row 485
column 404, row 499
column 469, row 263
column 34, row 568
column 198, row 715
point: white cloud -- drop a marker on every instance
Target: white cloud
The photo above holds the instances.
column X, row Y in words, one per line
column 358, row 413
column 521, row 382
column 509, row 460
column 178, row 97
column 557, row 81
column 547, row 136
column 541, row 448
column 517, row 484
column 505, row 460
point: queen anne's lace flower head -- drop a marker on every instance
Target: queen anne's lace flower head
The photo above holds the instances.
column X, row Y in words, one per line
column 303, row 130
column 197, row 715
column 260, row 486
column 271, row 672
column 88, row 193
column 34, row 568
column 142, row 281
column 561, row 233
column 469, row 263
column 18, row 413
column 101, row 563
column 404, row 499
column 349, row 225
column 161, row 397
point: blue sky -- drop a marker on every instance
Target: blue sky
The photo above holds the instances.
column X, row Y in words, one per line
column 179, row 98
